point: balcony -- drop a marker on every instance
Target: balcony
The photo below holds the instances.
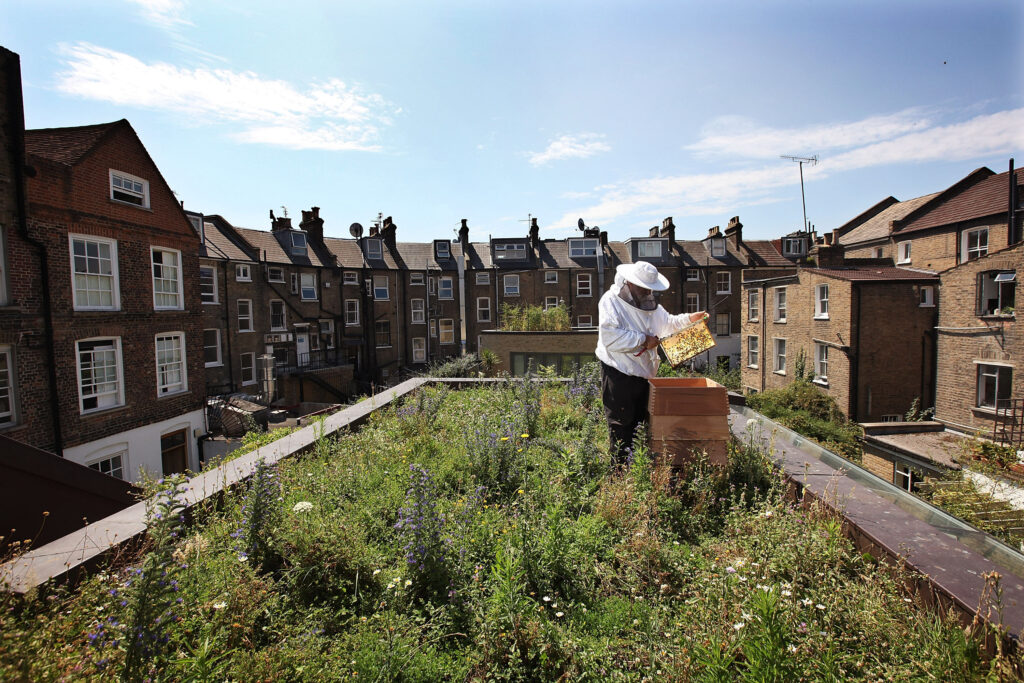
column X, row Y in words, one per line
column 289, row 361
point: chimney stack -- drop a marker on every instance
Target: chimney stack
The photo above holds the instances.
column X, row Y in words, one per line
column 278, row 224
column 464, row 234
column 734, row 232
column 653, row 232
column 714, row 232
column 312, row 224
column 534, row 233
column 668, row 229
column 387, row 231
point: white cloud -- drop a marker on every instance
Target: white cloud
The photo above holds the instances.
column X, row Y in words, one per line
column 571, row 147
column 167, row 14
column 331, row 115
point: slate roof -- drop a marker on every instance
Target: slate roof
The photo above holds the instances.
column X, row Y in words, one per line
column 67, row 145
column 874, row 273
column 220, row 244
column 267, row 246
column 986, row 197
column 877, row 226
column 698, row 253
column 764, row 253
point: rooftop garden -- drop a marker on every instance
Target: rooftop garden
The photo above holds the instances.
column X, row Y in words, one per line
column 481, row 534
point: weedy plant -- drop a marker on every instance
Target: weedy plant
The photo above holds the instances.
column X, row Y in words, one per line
column 261, row 514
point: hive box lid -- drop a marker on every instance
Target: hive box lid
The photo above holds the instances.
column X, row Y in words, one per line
column 687, row 396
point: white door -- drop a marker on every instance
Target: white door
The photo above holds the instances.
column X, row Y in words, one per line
column 302, row 348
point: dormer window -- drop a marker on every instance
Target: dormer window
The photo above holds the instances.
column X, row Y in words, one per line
column 509, row 251
column 442, row 249
column 718, row 247
column 579, row 248
column 648, row 249
column 299, row 243
column 793, row 246
column 373, row 250
column 129, row 188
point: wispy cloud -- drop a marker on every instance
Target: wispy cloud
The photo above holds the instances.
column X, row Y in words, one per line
column 571, row 147
column 167, row 14
column 875, row 141
column 331, row 115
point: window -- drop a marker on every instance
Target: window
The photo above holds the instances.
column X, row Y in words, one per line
column 692, row 303
column 583, row 284
column 903, row 252
column 722, row 324
column 445, row 289
column 580, row 248
column 483, row 310
column 692, row 275
column 511, row 285
column 483, row 278
column 584, row 321
column 352, row 278
column 382, row 330
column 997, row 292
column 351, row 312
column 277, row 316
column 243, row 273
column 894, row 417
column 780, row 304
column 419, row 350
column 327, row 333
column 295, row 283
column 648, row 249
column 432, row 325
column 170, row 364
column 94, row 264
column 927, row 296
column 129, row 188
column 995, row 386
column 793, row 246
column 753, row 349
column 7, row 413
column 99, row 374
column 166, row 279
column 299, row 243
column 753, row 305
column 975, row 244
column 314, row 338
column 509, row 251
column 821, row 302
column 550, row 302
column 112, row 465
column 821, row 363
column 905, row 477
column 380, row 287
column 717, row 247
column 373, row 250
column 431, row 285
column 416, row 279
column 418, row 311
column 208, row 284
column 780, row 356
column 723, row 283
column 551, row 277
column 248, row 366
column 174, row 451
column 879, row 252
column 211, row 347
column 442, row 249
column 447, row 331
column 307, row 286
column 244, row 315
column 275, row 274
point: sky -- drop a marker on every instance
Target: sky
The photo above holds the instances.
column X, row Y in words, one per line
column 620, row 113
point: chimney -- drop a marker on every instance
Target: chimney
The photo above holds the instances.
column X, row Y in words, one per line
column 714, row 232
column 387, row 231
column 464, row 233
column 534, row 233
column 374, row 230
column 653, row 231
column 278, row 224
column 668, row 229
column 829, row 237
column 604, row 238
column 312, row 224
column 828, row 254
column 734, row 232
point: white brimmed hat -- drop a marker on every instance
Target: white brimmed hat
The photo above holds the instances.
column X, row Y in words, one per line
column 643, row 274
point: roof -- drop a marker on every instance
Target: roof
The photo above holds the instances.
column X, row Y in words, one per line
column 269, row 248
column 937, row 447
column 874, row 273
column 694, row 253
column 220, row 244
column 877, row 226
column 67, row 145
column 764, row 253
column 986, row 196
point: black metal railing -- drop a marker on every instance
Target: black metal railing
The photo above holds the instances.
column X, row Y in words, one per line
column 292, row 361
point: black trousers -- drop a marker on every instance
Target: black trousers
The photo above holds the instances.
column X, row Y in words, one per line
column 625, row 406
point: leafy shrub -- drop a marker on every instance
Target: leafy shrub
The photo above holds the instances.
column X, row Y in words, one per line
column 534, row 318
column 806, row 409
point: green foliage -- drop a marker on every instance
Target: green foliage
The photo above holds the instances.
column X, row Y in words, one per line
column 806, row 409
column 915, row 414
column 731, row 379
column 532, row 318
column 468, row 365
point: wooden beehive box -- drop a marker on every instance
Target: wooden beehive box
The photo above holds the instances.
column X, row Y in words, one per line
column 688, row 415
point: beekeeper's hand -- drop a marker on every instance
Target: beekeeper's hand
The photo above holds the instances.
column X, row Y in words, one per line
column 698, row 316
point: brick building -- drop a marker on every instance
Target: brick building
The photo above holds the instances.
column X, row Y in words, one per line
column 868, row 235
column 120, row 276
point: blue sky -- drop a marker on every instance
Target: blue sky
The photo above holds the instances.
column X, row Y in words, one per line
column 620, row 113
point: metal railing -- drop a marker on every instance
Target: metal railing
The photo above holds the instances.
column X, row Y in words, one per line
column 293, row 361
column 1008, row 422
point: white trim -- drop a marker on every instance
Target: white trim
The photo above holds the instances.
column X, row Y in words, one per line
column 588, row 280
column 241, row 368
column 177, row 279
column 479, row 309
column 551, row 277
column 483, row 278
column 8, row 383
column 994, row 362
column 270, row 273
column 216, row 293
column 350, row 277
column 284, row 316
column 718, row 282
column 451, row 330
column 115, row 288
column 353, row 311
column 581, row 246
column 821, row 312
column 506, row 284
column 142, row 194
column 118, row 379
column 238, row 272
column 248, row 316
column 163, row 390
column 374, row 250
column 220, row 358
column 417, row 315
column 901, row 257
column 416, row 279
column 419, row 349
column 303, row 287
column 386, row 287
column 4, row 290
column 446, row 280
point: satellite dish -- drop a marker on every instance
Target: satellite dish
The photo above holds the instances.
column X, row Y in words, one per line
column 580, row 224
column 356, row 230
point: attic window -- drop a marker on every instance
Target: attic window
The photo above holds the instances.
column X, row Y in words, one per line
column 299, row 243
column 648, row 249
column 129, row 188
column 793, row 246
column 442, row 249
column 509, row 251
column 373, row 249
column 718, row 247
column 584, row 247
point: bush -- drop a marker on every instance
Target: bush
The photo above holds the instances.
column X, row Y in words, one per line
column 806, row 409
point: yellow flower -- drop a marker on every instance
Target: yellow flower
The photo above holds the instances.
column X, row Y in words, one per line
column 521, row 491
column 504, row 438
column 525, row 436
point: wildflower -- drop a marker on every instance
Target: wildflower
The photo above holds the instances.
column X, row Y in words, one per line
column 806, row 602
column 743, row 579
column 730, row 570
column 525, row 436
column 786, row 593
column 792, row 648
column 376, row 571
column 408, row 582
column 546, row 599
column 738, row 625
column 504, row 438
column 768, row 513
column 302, row 506
column 521, row 491
column 559, row 614
column 220, row 605
column 820, row 606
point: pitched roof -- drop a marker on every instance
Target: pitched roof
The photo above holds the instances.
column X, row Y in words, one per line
column 876, row 226
column 874, row 273
column 981, row 193
column 219, row 243
column 764, row 253
column 697, row 253
column 267, row 245
column 67, row 145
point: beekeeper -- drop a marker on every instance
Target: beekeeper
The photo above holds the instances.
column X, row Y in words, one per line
column 631, row 324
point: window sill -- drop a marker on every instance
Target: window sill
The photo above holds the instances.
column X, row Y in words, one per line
column 821, row 317
column 171, row 394
column 753, row 367
column 278, row 329
column 249, row 384
column 383, row 347
column 213, row 365
column 169, row 309
column 211, row 303
column 992, row 412
column 751, row 320
column 276, row 282
column 243, row 280
column 998, row 316
column 381, row 298
column 131, row 204
column 508, row 294
column 926, row 306
column 103, row 411
column 245, row 331
column 724, row 292
column 309, row 300
column 351, row 324
column 780, row 322
column 584, row 296
column 446, row 298
column 820, row 382
column 903, row 263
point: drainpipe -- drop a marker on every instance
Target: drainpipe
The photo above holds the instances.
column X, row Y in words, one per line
column 763, row 360
column 227, row 323
column 462, row 304
column 854, row 364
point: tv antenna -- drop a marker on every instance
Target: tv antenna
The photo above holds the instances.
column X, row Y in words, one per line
column 284, row 210
column 813, row 161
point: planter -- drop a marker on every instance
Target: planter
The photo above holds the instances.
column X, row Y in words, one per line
column 689, row 415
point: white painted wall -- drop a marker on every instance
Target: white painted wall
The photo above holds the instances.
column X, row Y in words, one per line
column 143, row 446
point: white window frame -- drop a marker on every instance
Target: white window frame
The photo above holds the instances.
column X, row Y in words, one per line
column 551, row 277
column 212, row 281
column 299, row 243
column 246, row 317
column 417, row 311
column 8, row 416
column 416, row 279
column 927, row 296
column 584, row 284
column 821, row 302
column 352, row 278
column 374, row 250
column 793, row 246
column 252, row 368
column 243, row 272
column 718, row 247
column 991, row 370
column 97, row 463
column 511, row 251
column 220, row 357
column 177, row 280
column 583, row 247
column 550, row 302
column 648, row 249
column 892, row 417
column 118, row 393
column 483, row 278
column 904, row 476
column 432, row 326
column 781, row 305
column 719, row 317
column 442, row 250
column 777, row 367
column 584, row 321
column 351, row 312
column 692, row 302
column 980, row 248
column 117, row 184
column 693, row 274
column 419, row 349
column 821, row 363
column 171, row 388
column 510, row 285
column 753, row 305
column 431, row 285
column 115, row 289
column 903, row 252
column 753, row 351
column 446, row 329
column 284, row 316
column 719, row 281
column 307, row 286
column 446, row 288
column 381, row 288
column 271, row 272
column 483, row 309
